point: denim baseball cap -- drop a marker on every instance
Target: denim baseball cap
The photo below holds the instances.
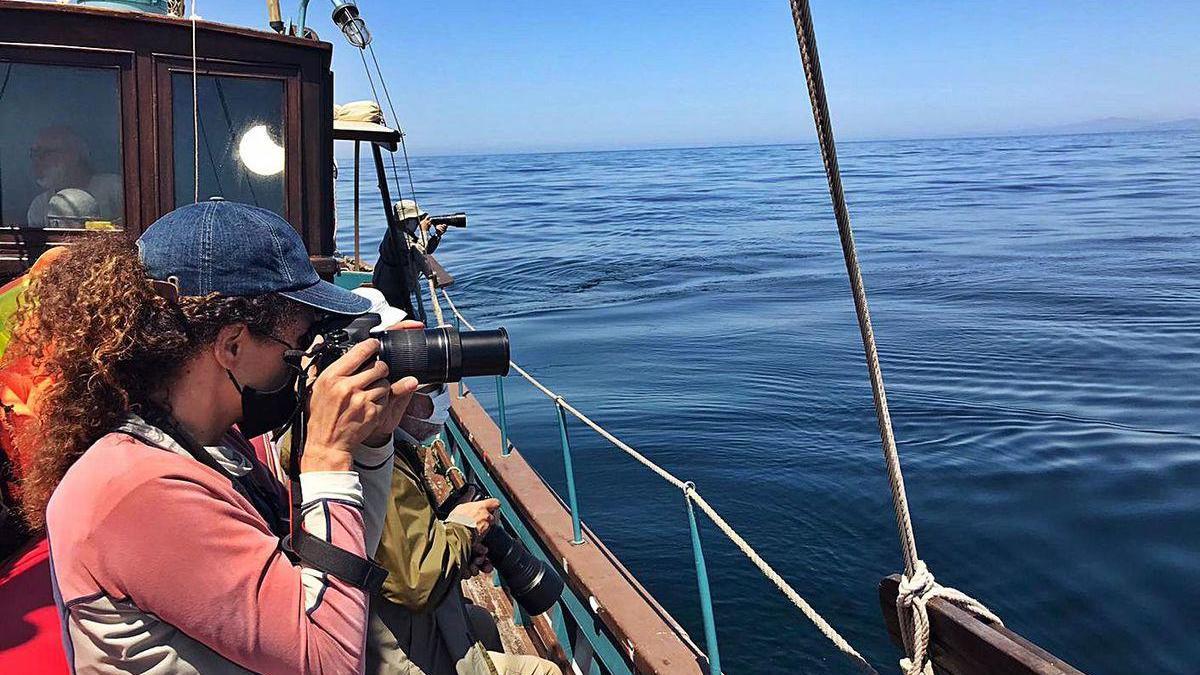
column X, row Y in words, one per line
column 236, row 249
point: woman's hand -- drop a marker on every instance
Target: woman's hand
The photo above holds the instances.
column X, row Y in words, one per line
column 479, row 561
column 347, row 402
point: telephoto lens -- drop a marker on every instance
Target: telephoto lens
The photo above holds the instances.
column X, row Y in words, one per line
column 444, row 354
column 532, row 582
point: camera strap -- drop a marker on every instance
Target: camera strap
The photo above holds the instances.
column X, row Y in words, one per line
column 319, row 554
column 361, row 573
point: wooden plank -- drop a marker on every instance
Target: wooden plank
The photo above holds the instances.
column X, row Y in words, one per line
column 388, row 139
column 649, row 636
column 961, row 644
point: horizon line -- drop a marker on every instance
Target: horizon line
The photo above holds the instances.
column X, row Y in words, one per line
column 771, row 144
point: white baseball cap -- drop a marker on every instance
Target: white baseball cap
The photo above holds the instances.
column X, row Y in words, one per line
column 389, row 316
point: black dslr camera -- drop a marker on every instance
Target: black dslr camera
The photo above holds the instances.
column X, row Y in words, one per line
column 433, row 355
column 534, row 584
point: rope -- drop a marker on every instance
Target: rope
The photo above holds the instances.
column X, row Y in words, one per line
column 915, row 593
column 362, row 55
column 921, row 586
column 437, row 306
column 790, row 593
column 195, row 113
column 690, row 493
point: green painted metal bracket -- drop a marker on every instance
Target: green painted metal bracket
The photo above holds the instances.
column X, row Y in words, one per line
column 706, row 608
column 504, row 447
column 576, row 526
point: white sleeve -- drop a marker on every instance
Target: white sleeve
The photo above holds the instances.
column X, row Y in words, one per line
column 317, row 490
column 374, row 468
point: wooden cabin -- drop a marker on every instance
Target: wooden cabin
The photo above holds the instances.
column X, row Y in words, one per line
column 110, row 94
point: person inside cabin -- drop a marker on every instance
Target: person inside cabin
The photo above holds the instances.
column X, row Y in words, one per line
column 72, row 192
column 166, row 532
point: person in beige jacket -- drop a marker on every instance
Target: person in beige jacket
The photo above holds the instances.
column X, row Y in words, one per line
column 419, row 622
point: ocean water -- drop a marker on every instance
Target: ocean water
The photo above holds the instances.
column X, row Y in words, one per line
column 1037, row 307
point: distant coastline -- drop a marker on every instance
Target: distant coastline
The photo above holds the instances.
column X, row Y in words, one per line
column 1106, row 125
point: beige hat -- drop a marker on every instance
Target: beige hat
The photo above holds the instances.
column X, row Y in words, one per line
column 407, row 208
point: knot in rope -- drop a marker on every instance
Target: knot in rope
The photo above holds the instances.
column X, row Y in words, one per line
column 916, row 590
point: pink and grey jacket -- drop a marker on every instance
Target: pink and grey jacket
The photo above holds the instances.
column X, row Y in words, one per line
column 161, row 566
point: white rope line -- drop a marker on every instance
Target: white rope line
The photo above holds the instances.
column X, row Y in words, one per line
column 769, row 572
column 437, row 306
column 690, row 492
column 195, row 113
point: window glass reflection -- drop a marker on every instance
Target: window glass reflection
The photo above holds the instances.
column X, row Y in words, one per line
column 60, row 146
column 241, row 149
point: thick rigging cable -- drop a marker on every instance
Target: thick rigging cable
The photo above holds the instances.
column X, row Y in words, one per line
column 917, row 585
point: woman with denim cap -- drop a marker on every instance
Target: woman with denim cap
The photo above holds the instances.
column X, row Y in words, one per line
column 165, row 530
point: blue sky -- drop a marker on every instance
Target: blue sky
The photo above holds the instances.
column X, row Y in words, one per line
column 521, row 75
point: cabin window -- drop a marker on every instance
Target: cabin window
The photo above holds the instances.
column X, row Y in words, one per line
column 241, row 133
column 60, row 146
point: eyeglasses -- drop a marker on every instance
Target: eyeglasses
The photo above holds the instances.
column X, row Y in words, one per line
column 293, row 356
column 289, row 345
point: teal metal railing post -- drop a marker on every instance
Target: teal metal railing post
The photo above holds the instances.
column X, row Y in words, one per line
column 706, row 608
column 462, row 386
column 504, row 450
column 576, row 527
column 302, row 16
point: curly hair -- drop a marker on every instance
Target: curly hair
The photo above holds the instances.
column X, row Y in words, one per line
column 93, row 324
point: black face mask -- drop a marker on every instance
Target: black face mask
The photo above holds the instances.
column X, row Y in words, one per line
column 264, row 411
